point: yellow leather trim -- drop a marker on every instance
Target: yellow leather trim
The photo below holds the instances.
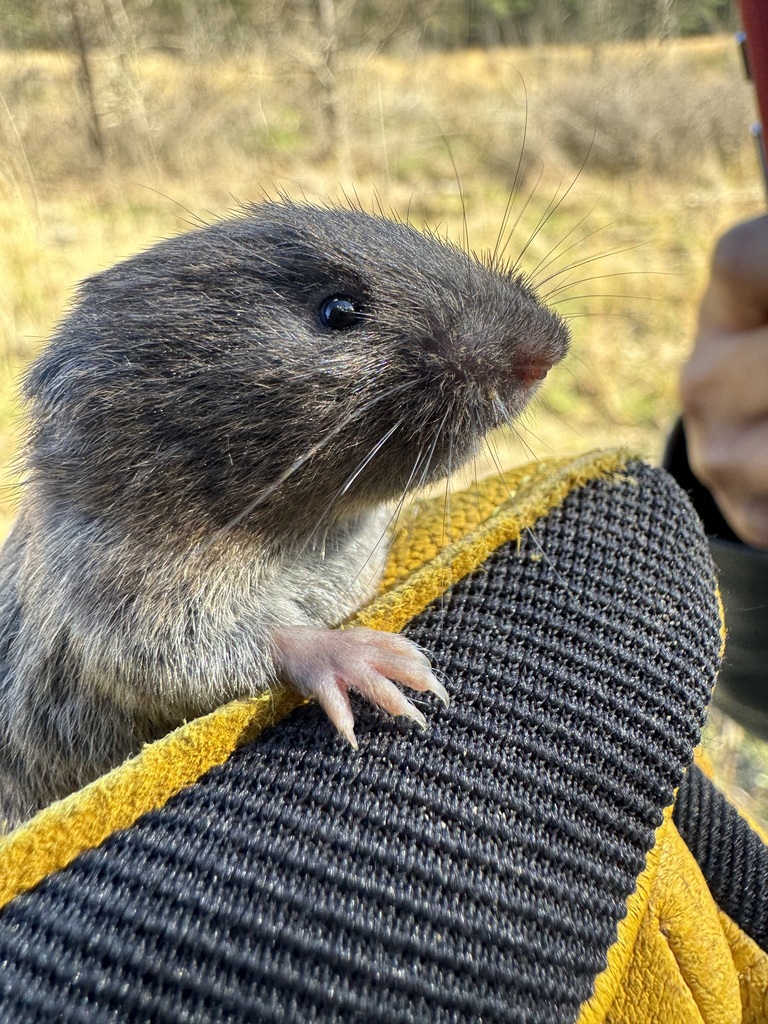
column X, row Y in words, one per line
column 621, row 952
column 677, row 967
column 82, row 821
column 751, row 966
column 422, row 564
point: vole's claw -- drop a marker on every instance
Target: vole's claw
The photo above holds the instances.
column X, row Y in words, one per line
column 325, row 664
column 439, row 691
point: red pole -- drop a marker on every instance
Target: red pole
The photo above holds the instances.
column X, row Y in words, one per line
column 754, row 18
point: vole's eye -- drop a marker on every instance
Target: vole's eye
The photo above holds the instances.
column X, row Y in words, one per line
column 338, row 312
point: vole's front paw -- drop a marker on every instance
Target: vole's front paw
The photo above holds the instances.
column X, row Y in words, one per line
column 325, row 663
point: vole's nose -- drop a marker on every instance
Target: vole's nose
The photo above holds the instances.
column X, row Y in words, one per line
column 529, row 372
column 545, row 345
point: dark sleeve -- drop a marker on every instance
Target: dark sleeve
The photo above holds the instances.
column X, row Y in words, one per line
column 742, row 688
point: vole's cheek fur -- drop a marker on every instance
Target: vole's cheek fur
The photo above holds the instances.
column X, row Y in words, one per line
column 208, row 460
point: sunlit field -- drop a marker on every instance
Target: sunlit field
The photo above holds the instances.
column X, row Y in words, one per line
column 606, row 172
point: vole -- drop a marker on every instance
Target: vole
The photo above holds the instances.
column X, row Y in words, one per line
column 216, row 434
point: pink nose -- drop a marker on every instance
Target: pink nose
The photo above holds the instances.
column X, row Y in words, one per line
column 529, row 373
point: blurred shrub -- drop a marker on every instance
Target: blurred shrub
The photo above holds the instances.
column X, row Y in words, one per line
column 656, row 119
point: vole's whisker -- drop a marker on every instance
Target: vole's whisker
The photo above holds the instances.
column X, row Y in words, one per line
column 596, row 277
column 390, row 527
column 392, row 523
column 605, row 295
column 534, row 539
column 447, row 538
column 587, row 260
column 523, row 443
column 380, row 398
column 501, row 408
column 270, row 489
column 556, row 201
column 437, row 438
column 327, row 515
column 567, row 317
column 551, row 207
column 554, row 255
column 499, row 253
column 371, row 455
column 266, row 492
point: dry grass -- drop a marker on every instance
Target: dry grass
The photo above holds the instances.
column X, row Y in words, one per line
column 660, row 132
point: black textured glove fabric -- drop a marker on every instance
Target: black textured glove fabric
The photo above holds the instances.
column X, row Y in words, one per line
column 474, row 872
column 732, row 856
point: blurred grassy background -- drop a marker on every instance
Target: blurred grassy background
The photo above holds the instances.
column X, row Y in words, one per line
column 625, row 160
column 633, row 156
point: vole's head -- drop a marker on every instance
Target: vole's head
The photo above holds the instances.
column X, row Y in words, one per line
column 285, row 365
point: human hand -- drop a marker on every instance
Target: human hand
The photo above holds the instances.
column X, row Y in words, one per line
column 724, row 386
